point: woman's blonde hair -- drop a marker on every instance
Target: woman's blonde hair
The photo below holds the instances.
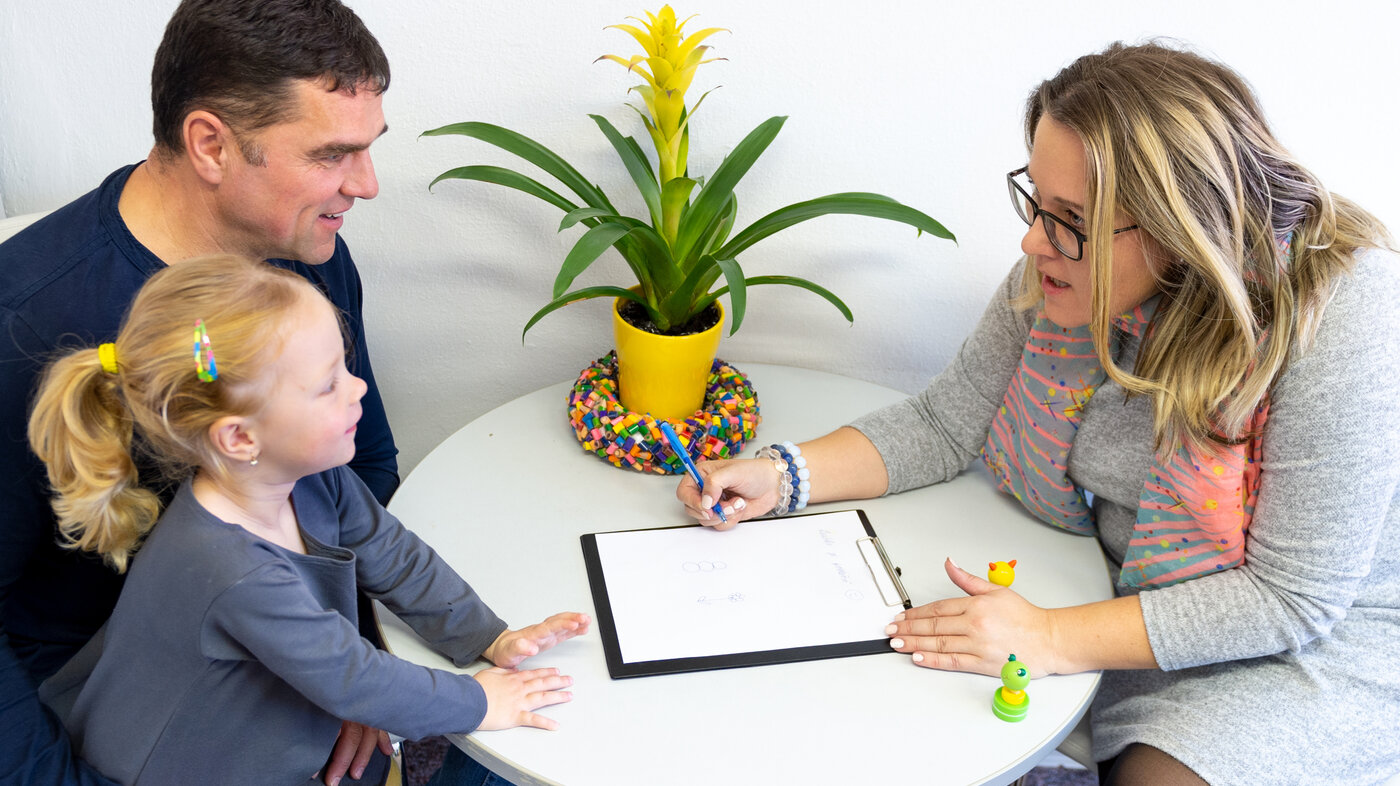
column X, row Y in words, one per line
column 1180, row 143
column 83, row 419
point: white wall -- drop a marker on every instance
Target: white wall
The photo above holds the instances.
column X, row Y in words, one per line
column 917, row 99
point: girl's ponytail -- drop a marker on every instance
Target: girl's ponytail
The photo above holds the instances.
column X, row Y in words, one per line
column 82, row 430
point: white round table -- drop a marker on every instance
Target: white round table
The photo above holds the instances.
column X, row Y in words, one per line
column 505, row 499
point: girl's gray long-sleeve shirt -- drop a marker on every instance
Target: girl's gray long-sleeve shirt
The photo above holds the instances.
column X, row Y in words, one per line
column 230, row 659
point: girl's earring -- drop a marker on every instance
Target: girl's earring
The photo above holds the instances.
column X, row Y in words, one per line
column 254, row 462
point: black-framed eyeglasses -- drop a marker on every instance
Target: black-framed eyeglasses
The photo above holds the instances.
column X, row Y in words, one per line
column 1065, row 238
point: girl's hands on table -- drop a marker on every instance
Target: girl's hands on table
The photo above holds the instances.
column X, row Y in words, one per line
column 513, row 696
column 514, row 646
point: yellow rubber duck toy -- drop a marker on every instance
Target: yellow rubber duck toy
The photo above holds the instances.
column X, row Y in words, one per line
column 1002, row 573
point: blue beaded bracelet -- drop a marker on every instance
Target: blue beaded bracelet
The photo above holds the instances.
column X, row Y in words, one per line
column 794, row 484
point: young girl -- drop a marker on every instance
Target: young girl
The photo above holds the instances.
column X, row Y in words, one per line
column 233, row 653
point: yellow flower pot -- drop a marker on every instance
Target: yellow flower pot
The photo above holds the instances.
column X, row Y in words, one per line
column 663, row 375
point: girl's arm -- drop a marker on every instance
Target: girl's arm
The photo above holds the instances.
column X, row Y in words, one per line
column 397, row 568
column 271, row 616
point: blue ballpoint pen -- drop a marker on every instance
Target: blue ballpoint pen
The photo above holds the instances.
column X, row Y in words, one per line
column 679, row 449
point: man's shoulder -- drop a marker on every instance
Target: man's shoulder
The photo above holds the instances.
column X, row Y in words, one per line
column 66, row 255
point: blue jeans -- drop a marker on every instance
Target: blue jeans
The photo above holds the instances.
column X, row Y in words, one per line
column 459, row 769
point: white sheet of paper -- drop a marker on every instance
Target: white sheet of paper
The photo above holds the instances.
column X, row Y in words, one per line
column 765, row 585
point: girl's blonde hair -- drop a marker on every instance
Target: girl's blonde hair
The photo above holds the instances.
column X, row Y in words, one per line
column 1180, row 143
column 83, row 419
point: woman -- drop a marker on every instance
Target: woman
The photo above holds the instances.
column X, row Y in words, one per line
column 1195, row 363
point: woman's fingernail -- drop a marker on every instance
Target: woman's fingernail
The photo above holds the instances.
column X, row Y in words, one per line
column 740, row 504
column 899, row 617
column 890, row 630
column 707, row 501
column 896, row 643
column 918, row 657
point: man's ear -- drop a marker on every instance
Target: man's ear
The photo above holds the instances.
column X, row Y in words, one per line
column 232, row 438
column 209, row 143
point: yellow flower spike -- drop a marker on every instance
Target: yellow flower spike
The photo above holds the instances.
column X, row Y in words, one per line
column 668, row 69
column 630, row 65
column 690, row 43
column 662, row 71
column 645, row 39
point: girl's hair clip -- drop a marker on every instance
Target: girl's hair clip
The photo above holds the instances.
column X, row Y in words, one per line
column 204, row 365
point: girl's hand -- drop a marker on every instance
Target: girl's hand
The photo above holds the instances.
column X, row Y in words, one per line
column 513, row 696
column 978, row 632
column 746, row 488
column 514, row 646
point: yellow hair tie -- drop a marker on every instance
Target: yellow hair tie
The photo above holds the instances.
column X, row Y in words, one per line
column 107, row 353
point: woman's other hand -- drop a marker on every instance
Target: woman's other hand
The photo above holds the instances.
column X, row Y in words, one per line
column 977, row 632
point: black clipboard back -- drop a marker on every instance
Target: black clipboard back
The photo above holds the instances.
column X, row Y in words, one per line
column 873, row 553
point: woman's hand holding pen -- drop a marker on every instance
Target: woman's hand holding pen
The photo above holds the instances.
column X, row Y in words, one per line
column 745, row 488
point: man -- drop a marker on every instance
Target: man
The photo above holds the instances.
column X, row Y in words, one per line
column 264, row 114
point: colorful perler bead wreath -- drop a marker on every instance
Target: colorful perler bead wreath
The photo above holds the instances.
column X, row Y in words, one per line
column 628, row 439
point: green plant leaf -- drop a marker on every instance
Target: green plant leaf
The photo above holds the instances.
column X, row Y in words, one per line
column 505, row 177
column 588, row 248
column 793, row 281
column 532, row 151
column 576, row 296
column 677, row 308
column 647, row 255
column 873, row 205
column 738, row 293
column 725, row 224
column 575, row 216
column 700, row 219
column 675, row 195
column 637, row 166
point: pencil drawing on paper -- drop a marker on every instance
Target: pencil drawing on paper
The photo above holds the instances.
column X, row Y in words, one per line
column 733, row 597
column 703, row 567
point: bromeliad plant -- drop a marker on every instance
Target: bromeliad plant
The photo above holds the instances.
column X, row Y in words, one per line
column 688, row 244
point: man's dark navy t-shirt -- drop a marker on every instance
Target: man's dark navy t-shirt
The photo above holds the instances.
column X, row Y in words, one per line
column 66, row 282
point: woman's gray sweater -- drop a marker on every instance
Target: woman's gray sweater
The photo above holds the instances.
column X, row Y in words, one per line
column 1287, row 668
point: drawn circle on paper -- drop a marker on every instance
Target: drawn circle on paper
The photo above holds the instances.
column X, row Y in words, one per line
column 854, row 595
column 703, row 566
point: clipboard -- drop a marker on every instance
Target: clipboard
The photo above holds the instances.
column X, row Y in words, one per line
column 782, row 590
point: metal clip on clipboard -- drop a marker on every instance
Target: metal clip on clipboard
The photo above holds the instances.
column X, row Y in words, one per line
column 886, row 576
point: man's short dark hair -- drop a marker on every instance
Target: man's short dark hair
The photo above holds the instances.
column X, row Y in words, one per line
column 239, row 59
